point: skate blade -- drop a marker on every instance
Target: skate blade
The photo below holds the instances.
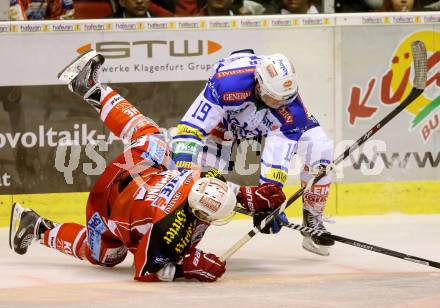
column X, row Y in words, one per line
column 68, row 73
column 16, row 212
column 310, row 246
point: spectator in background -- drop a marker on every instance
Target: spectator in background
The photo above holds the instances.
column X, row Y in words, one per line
column 41, row 9
column 231, row 7
column 189, row 7
column 95, row 9
column 349, row 6
column 400, row 5
column 248, row 7
column 217, row 8
column 177, row 8
column 293, row 7
column 163, row 8
column 134, row 9
column 170, row 8
column 155, row 8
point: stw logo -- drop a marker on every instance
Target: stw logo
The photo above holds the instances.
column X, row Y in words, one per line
column 396, row 84
column 174, row 48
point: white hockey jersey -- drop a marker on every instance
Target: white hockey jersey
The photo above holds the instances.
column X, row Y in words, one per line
column 228, row 108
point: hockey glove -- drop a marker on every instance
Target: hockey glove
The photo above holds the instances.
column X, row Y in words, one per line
column 202, row 266
column 273, row 227
column 264, row 197
column 219, row 134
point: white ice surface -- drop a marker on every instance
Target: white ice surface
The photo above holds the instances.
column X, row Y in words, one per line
column 270, row 271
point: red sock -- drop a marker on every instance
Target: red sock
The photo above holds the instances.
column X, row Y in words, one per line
column 69, row 238
column 123, row 119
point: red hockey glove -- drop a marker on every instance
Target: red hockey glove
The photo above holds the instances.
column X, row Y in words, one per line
column 267, row 196
column 202, row 266
column 219, row 134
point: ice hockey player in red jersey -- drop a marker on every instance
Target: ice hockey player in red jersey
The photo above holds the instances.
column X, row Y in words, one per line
column 141, row 203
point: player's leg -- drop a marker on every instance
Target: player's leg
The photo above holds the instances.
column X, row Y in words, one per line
column 121, row 117
column 27, row 226
column 102, row 246
column 94, row 243
column 316, row 150
column 69, row 238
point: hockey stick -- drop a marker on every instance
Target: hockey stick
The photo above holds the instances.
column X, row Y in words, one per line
column 352, row 242
column 363, row 245
column 420, row 75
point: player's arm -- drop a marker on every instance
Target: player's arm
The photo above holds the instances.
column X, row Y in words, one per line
column 150, row 265
column 207, row 266
column 197, row 264
column 204, row 115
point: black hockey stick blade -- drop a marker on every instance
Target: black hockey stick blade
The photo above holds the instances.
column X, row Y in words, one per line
column 362, row 245
column 352, row 242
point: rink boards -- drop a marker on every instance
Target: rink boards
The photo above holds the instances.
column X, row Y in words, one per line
column 344, row 200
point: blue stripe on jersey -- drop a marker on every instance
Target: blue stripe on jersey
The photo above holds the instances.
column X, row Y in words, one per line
column 262, row 178
column 194, row 126
column 274, row 166
column 183, row 157
column 176, row 138
column 236, row 104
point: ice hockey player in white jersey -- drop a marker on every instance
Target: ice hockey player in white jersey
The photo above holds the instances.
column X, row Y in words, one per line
column 250, row 95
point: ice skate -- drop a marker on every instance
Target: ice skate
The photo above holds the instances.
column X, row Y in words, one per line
column 25, row 226
column 82, row 76
column 313, row 243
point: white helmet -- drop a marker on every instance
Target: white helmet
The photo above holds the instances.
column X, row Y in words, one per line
column 276, row 76
column 212, row 201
